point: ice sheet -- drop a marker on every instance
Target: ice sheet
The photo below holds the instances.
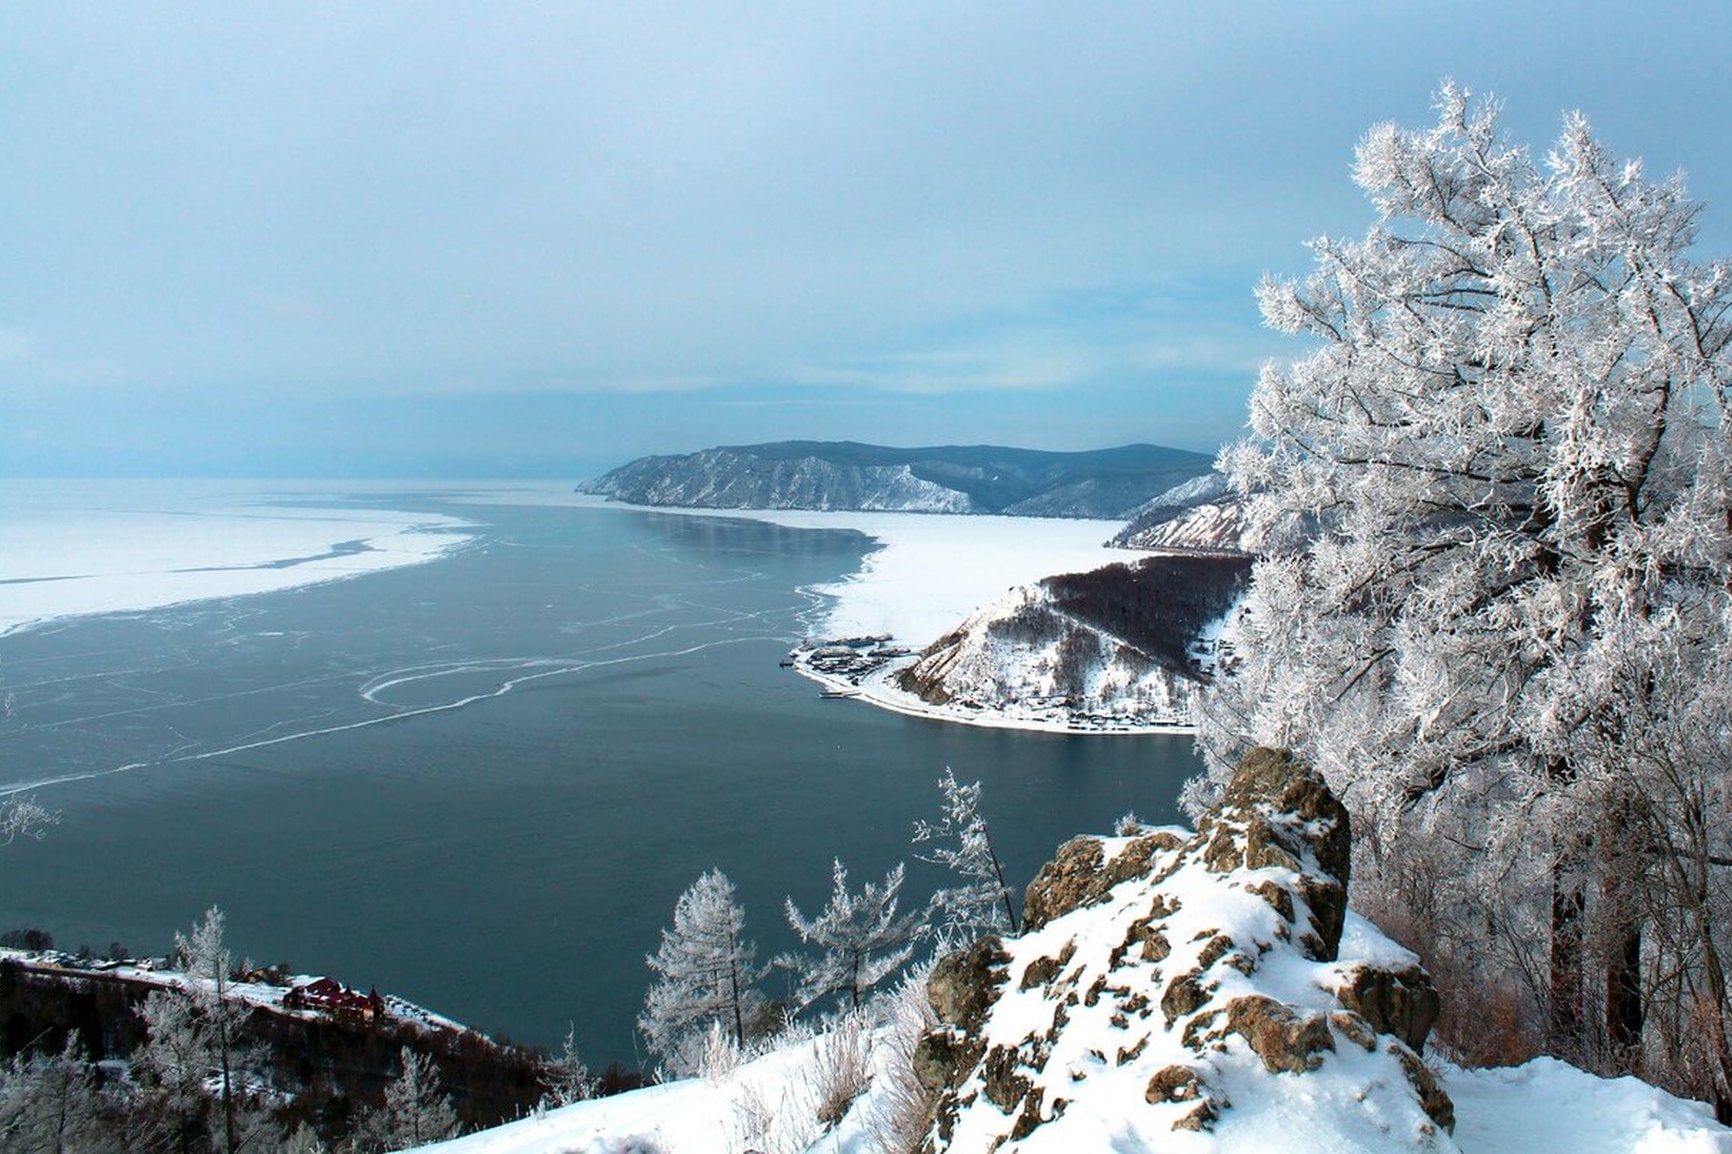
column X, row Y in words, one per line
column 79, row 547
column 930, row 570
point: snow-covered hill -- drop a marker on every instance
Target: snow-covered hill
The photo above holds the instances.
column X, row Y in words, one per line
column 1120, row 644
column 951, row 479
column 1198, row 515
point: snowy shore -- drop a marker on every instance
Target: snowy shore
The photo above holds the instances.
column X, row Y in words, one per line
column 82, row 547
column 930, row 572
column 880, row 688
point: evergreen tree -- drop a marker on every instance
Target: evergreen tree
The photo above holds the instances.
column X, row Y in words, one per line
column 415, row 1114
column 567, row 1077
column 983, row 903
column 860, row 938
column 705, row 972
column 50, row 1103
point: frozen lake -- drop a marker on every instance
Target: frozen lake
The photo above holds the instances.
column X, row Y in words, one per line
column 480, row 778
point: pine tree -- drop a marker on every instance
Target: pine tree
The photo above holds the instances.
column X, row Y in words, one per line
column 415, row 1113
column 567, row 1077
column 860, row 938
column 705, row 972
column 982, row 904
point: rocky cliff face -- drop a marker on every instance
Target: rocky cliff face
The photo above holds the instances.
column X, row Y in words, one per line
column 1180, row 991
column 949, row 479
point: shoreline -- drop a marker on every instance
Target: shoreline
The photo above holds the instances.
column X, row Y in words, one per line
column 875, row 689
column 841, row 617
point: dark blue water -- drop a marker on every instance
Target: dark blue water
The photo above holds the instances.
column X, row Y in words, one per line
column 482, row 782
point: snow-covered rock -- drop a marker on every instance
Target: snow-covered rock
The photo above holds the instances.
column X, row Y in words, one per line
column 1205, row 991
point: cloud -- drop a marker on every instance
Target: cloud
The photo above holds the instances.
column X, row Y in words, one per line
column 345, row 203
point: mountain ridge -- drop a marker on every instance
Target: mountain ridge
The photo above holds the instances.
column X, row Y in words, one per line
column 854, row 476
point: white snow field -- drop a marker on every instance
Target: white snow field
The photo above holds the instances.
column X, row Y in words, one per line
column 80, row 547
column 1543, row 1107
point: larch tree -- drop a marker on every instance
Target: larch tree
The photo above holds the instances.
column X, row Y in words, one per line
column 416, row 1111
column 51, row 1103
column 962, row 844
column 1511, row 447
column 706, row 972
column 860, row 939
column 195, row 1038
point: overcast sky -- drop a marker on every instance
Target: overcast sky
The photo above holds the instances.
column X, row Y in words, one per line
column 499, row 239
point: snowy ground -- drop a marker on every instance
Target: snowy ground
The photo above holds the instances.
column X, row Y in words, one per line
column 78, row 547
column 1543, row 1107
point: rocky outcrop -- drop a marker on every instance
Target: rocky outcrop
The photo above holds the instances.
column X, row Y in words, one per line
column 1210, row 983
column 1107, row 483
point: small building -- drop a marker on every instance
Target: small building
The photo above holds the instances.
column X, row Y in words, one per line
column 329, row 996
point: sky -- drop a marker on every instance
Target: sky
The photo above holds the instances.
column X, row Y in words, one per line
column 452, row 240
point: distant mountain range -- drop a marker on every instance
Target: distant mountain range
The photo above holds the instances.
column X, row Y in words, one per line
column 843, row 475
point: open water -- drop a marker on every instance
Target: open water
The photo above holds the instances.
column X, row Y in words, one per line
column 482, row 782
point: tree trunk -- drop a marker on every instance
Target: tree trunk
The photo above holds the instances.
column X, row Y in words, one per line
column 1003, row 889
column 1568, row 907
column 1624, row 854
column 1625, row 1016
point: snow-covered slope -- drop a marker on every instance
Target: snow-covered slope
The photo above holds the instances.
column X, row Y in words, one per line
column 1203, row 515
column 1199, row 514
column 1115, row 643
column 949, row 479
column 1212, row 525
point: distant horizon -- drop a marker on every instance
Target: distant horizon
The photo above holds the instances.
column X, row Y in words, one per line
column 479, row 476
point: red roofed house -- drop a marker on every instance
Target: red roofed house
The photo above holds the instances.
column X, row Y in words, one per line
column 332, row 997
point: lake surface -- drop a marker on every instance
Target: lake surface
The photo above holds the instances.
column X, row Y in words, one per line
column 482, row 782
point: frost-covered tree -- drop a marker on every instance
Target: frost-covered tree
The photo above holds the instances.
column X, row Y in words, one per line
column 1513, row 442
column 416, row 1111
column 705, row 972
column 860, row 938
column 24, row 817
column 195, row 1046
column 567, row 1077
column 50, row 1103
column 982, row 903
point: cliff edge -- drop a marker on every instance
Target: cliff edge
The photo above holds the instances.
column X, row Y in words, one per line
column 1180, row 990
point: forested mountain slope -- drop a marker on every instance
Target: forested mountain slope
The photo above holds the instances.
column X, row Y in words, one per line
column 1105, row 483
